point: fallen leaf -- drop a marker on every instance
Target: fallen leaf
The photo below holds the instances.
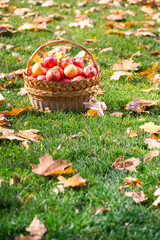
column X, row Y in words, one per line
column 30, row 135
column 156, row 202
column 14, row 180
column 133, row 181
column 25, row 144
column 4, row 120
column 49, row 167
column 60, row 33
column 74, row 181
column 100, row 210
column 136, row 196
column 131, row 134
column 106, row 49
column 143, row 32
column 150, row 155
column 139, row 105
column 76, row 135
column 157, row 192
column 148, row 10
column 93, row 40
column 21, row 11
column 82, row 24
column 117, row 75
column 115, row 17
column 49, row 3
column 149, row 70
column 41, row 19
column 150, row 89
column 97, row 108
column 16, row 111
column 1, row 99
column 82, row 4
column 152, row 143
column 32, row 26
column 129, row 164
column 154, row 54
column 58, row 189
column 36, row 227
column 116, row 31
column 22, row 92
column 150, row 127
column 117, row 114
column 92, row 10
column 127, row 64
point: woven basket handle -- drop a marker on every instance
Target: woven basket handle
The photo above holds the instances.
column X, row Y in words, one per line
column 28, row 69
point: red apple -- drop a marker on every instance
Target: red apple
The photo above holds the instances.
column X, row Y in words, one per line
column 66, row 80
column 78, row 62
column 78, row 78
column 49, row 61
column 41, row 77
column 37, row 69
column 70, row 71
column 61, row 71
column 80, row 71
column 89, row 71
column 65, row 62
column 34, row 76
column 53, row 75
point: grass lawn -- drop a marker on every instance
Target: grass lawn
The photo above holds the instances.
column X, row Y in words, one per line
column 70, row 215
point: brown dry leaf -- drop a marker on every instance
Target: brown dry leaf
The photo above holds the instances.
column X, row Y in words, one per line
column 49, row 3
column 87, row 23
column 4, row 121
column 148, row 23
column 139, row 105
column 150, row 127
column 22, row 92
column 150, row 155
column 76, row 135
column 133, row 181
column 100, row 210
column 143, row 32
column 129, row 164
column 97, row 108
column 74, row 181
column 93, row 40
column 41, row 19
column 156, row 202
column 82, row 4
column 60, row 33
column 49, row 167
column 157, row 192
column 116, row 31
column 131, row 134
column 127, row 64
column 36, row 227
column 120, row 24
column 32, row 26
column 117, row 75
column 154, row 54
column 17, row 111
column 30, row 135
column 150, row 89
column 152, row 143
column 147, row 9
column 136, row 196
column 115, row 17
column 154, row 78
column 92, row 10
column 106, row 49
column 21, row 11
column 1, row 99
column 117, row 114
column 100, row 92
column 9, row 134
column 22, row 237
column 25, row 144
column 59, row 188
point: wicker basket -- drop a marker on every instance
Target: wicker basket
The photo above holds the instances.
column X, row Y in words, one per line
column 60, row 95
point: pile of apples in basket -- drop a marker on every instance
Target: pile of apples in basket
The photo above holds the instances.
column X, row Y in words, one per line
column 66, row 69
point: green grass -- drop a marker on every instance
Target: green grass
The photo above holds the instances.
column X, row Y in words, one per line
column 93, row 153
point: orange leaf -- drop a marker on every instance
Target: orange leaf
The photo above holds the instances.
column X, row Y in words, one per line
column 74, row 181
column 49, row 167
column 17, row 111
column 136, row 196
